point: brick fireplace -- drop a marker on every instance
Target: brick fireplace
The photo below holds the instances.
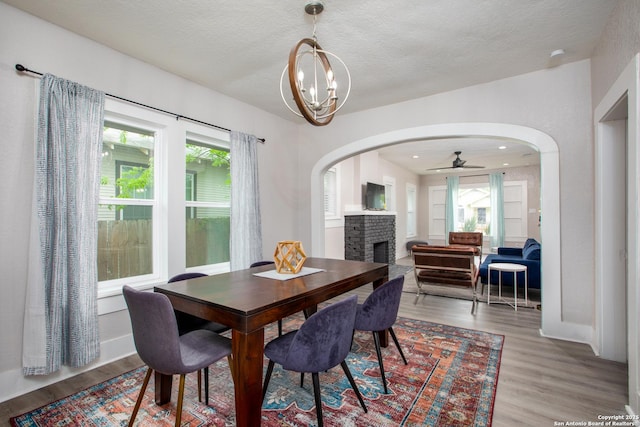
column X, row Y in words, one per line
column 370, row 237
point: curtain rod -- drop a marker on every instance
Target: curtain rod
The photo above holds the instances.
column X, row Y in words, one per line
column 24, row 69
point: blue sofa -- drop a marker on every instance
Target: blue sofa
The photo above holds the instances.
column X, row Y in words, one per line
column 528, row 255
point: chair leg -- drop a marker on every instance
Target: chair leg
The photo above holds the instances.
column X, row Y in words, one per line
column 280, row 327
column 395, row 340
column 316, row 394
column 267, row 377
column 200, row 385
column 206, row 386
column 180, row 400
column 376, row 341
column 347, row 372
column 140, row 396
column 301, row 379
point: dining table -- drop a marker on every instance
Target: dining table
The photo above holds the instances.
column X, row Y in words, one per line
column 249, row 300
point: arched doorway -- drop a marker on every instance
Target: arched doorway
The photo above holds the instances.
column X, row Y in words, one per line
column 549, row 190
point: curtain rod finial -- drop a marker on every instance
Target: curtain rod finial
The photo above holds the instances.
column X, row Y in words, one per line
column 20, row 67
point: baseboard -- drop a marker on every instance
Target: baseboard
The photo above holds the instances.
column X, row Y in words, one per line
column 570, row 332
column 15, row 384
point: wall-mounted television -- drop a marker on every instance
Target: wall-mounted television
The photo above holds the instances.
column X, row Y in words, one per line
column 374, row 197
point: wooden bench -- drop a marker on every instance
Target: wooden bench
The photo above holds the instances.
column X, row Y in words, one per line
column 446, row 266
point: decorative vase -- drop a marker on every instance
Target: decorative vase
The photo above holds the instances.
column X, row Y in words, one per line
column 289, row 256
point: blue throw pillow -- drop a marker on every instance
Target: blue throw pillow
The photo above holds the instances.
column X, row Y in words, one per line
column 532, row 252
column 530, row 242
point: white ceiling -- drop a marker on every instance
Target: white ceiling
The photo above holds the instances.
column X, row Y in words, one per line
column 395, row 50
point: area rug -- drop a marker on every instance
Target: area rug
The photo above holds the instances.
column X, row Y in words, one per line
column 450, row 380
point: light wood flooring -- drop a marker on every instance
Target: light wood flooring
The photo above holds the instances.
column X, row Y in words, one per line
column 541, row 380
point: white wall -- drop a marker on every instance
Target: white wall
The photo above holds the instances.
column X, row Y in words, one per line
column 355, row 173
column 530, row 174
column 554, row 101
column 614, row 71
column 47, row 48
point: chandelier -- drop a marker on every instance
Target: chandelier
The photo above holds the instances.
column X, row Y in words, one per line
column 312, row 80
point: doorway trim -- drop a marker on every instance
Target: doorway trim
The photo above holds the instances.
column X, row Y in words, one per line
column 551, row 324
column 626, row 85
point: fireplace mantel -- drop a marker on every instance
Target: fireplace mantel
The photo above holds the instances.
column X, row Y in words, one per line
column 356, row 213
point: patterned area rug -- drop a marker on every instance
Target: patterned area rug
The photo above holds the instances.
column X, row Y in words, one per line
column 450, row 380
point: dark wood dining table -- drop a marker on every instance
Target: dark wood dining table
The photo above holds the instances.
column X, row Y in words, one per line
column 247, row 303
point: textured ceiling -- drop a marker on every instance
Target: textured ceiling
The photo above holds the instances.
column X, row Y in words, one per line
column 395, row 50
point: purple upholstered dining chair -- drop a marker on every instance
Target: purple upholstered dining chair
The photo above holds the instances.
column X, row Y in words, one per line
column 378, row 313
column 188, row 322
column 322, row 342
column 155, row 333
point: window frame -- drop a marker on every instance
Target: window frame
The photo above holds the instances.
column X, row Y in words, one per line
column 412, row 210
column 121, row 113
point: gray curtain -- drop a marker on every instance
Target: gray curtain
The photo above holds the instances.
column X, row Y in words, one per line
column 246, row 227
column 61, row 315
column 496, row 189
column 451, row 206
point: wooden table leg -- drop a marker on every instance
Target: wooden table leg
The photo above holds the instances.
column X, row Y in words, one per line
column 162, row 387
column 248, row 354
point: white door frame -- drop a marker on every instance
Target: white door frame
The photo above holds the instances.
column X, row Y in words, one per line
column 605, row 328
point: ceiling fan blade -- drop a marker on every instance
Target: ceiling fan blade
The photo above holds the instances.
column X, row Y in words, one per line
column 445, row 167
column 458, row 163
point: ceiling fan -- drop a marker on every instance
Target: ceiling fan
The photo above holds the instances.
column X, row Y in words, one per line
column 458, row 163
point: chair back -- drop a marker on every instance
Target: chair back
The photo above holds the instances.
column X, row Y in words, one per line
column 261, row 263
column 324, row 339
column 467, row 238
column 155, row 331
column 380, row 310
column 186, row 276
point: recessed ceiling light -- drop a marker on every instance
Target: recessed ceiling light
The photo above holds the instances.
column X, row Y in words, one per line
column 505, row 164
column 415, row 156
column 502, row 147
column 557, row 52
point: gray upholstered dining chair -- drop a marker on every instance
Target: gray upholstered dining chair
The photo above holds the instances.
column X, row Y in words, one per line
column 162, row 349
column 378, row 313
column 322, row 342
column 188, row 322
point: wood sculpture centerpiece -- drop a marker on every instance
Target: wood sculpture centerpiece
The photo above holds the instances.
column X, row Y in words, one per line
column 289, row 257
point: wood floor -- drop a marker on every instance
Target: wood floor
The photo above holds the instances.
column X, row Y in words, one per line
column 541, row 380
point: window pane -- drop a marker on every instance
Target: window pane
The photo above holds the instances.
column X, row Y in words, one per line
column 125, row 248
column 125, row 244
column 207, row 236
column 209, row 173
column 208, row 184
column 474, row 208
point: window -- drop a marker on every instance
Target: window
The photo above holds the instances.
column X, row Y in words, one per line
column 389, row 192
column 331, row 194
column 208, row 201
column 164, row 198
column 127, row 202
column 411, row 211
column 474, row 210
column 474, row 203
column 482, row 216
